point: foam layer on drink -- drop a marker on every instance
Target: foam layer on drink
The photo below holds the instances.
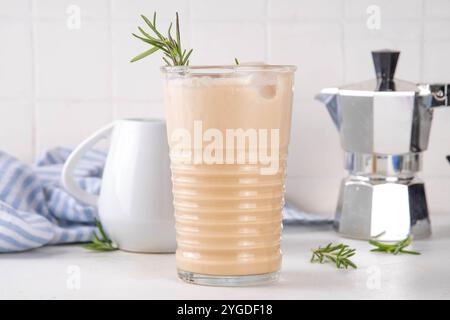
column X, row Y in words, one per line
column 228, row 215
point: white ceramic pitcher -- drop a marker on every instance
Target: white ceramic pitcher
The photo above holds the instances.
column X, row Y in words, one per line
column 135, row 203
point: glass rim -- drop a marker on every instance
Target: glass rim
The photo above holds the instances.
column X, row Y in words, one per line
column 228, row 69
column 143, row 120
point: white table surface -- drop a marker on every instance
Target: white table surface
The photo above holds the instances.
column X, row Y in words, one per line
column 55, row 272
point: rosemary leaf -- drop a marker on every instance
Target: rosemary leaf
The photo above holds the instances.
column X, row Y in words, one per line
column 174, row 54
column 395, row 248
column 411, row 252
column 186, row 59
column 100, row 244
column 153, row 26
column 153, row 42
column 338, row 254
column 166, row 61
column 145, row 34
column 145, row 54
column 178, row 33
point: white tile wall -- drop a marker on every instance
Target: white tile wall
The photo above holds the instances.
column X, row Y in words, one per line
column 59, row 122
column 221, row 50
column 390, row 10
column 16, row 129
column 132, row 9
column 318, row 44
column 138, row 110
column 359, row 41
column 230, row 10
column 436, row 48
column 15, row 9
column 16, row 61
column 437, row 9
column 317, row 151
column 56, row 9
column 72, row 64
column 57, row 85
column 313, row 194
column 139, row 81
column 305, row 10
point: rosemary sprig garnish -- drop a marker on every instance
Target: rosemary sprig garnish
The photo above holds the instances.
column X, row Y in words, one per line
column 174, row 54
column 339, row 254
column 395, row 248
column 100, row 244
column 236, row 61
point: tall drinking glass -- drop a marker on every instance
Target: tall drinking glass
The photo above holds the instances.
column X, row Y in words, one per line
column 228, row 130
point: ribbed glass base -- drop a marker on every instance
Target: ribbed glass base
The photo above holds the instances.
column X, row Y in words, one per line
column 227, row 281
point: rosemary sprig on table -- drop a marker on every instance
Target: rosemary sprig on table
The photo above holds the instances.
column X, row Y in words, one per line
column 174, row 54
column 338, row 254
column 395, row 248
column 100, row 244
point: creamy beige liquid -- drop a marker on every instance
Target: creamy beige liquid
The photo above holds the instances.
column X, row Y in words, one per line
column 228, row 216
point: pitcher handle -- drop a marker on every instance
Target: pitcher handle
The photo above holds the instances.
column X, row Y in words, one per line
column 441, row 94
column 67, row 179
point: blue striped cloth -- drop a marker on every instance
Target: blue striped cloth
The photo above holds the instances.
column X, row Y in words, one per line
column 35, row 210
column 294, row 216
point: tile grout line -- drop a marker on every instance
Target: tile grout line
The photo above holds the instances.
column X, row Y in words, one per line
column 34, row 81
column 111, row 62
column 191, row 28
column 344, row 60
column 422, row 40
column 267, row 31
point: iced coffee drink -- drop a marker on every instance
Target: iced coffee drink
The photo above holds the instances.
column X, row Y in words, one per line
column 228, row 130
